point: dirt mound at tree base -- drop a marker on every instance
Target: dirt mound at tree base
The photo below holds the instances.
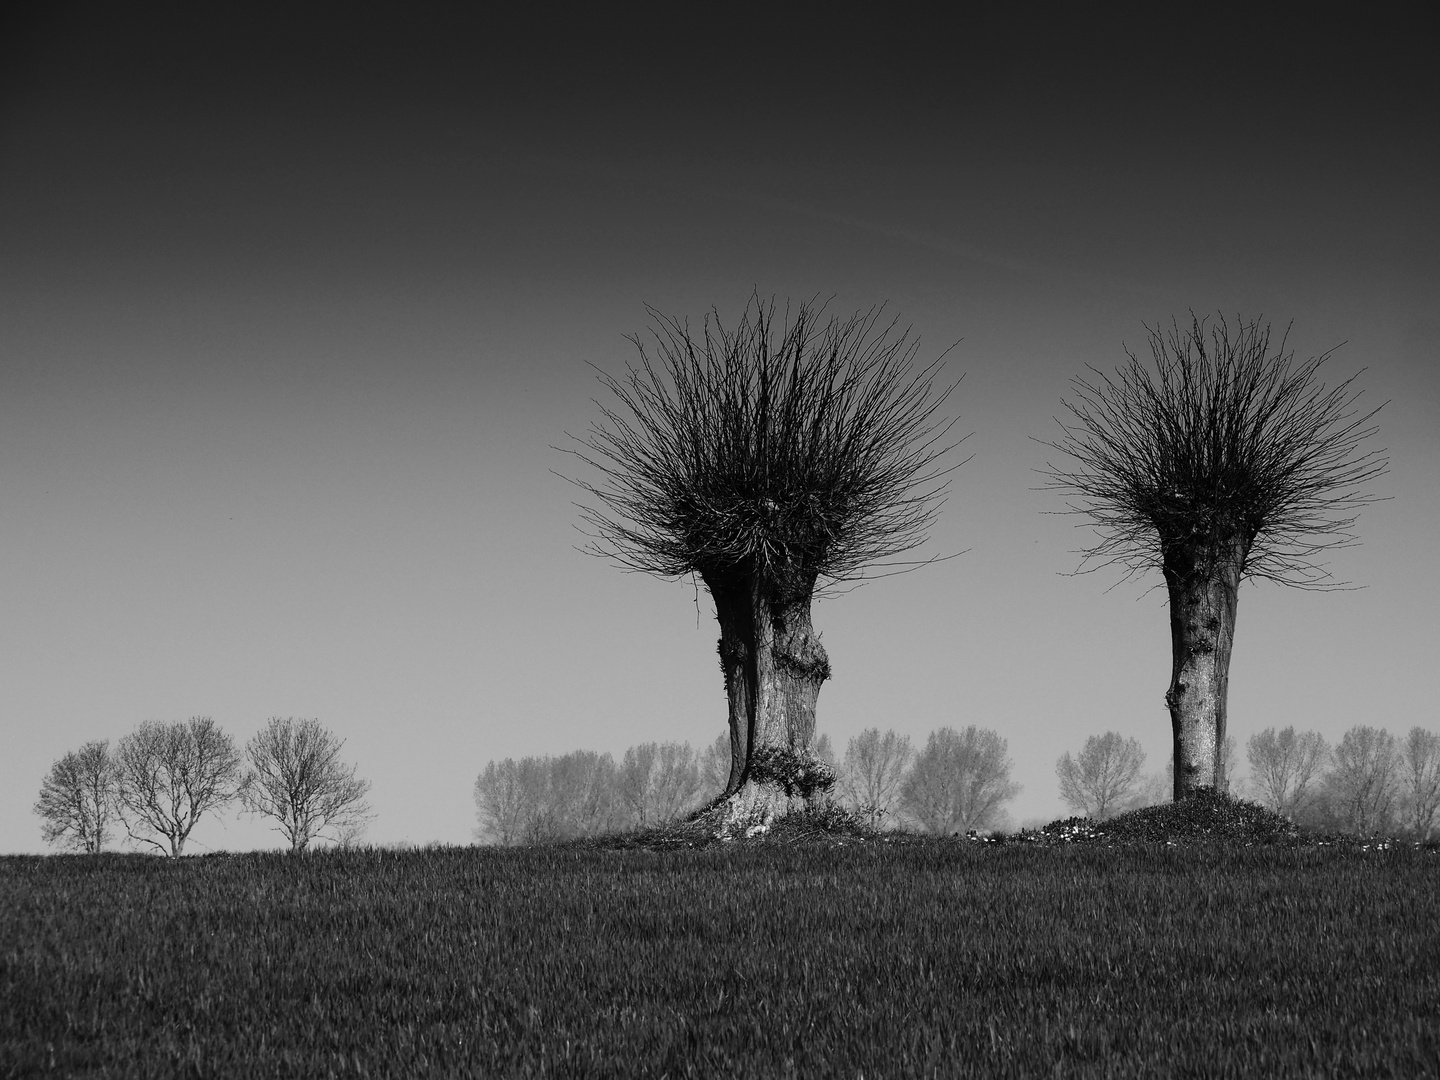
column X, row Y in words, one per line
column 824, row 822
column 1205, row 816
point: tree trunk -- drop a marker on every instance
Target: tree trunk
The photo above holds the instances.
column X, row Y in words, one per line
column 1203, row 578
column 774, row 665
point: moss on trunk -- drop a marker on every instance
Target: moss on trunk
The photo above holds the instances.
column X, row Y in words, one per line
column 1203, row 578
column 774, row 666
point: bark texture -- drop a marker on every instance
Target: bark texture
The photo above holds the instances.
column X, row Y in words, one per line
column 774, row 666
column 1203, row 578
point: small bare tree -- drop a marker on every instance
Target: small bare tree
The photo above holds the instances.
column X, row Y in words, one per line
column 1284, row 766
column 297, row 778
column 77, row 799
column 658, row 782
column 1102, row 780
column 1420, row 781
column 1154, row 789
column 769, row 460
column 874, row 772
column 169, row 776
column 959, row 782
column 349, row 835
column 1225, row 462
column 1362, row 783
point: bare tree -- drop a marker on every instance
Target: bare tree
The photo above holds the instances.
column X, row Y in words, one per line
column 1420, row 781
column 582, row 796
column 770, row 461
column 77, row 799
column 1225, row 462
column 1154, row 789
column 1283, row 767
column 873, row 773
column 715, row 764
column 1228, row 758
column 297, row 778
column 959, row 782
column 678, row 784
column 1103, row 779
column 824, row 749
column 169, row 776
column 538, row 800
column 657, row 782
column 635, row 782
column 1362, row 783
column 349, row 835
column 509, row 797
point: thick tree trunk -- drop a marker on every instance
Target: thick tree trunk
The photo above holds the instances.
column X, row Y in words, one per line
column 773, row 665
column 1203, row 578
column 735, row 613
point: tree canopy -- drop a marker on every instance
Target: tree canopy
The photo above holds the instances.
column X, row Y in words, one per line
column 1225, row 439
column 795, row 446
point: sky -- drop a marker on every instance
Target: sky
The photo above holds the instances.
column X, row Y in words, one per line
column 296, row 312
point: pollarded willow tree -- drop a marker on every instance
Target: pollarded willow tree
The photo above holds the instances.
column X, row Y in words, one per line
column 773, row 460
column 1223, row 461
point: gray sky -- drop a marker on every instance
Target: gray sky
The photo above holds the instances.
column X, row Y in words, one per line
column 292, row 313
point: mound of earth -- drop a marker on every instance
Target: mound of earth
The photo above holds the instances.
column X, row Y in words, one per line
column 825, row 822
column 1207, row 815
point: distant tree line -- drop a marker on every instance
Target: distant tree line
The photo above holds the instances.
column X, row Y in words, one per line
column 1369, row 784
column 958, row 781
column 162, row 779
column 539, row 799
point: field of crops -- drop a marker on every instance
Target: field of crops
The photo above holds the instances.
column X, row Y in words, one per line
column 830, row 959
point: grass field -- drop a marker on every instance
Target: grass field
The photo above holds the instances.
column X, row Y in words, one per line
column 839, row 958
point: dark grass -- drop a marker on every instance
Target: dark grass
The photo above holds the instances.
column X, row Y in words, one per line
column 822, row 954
